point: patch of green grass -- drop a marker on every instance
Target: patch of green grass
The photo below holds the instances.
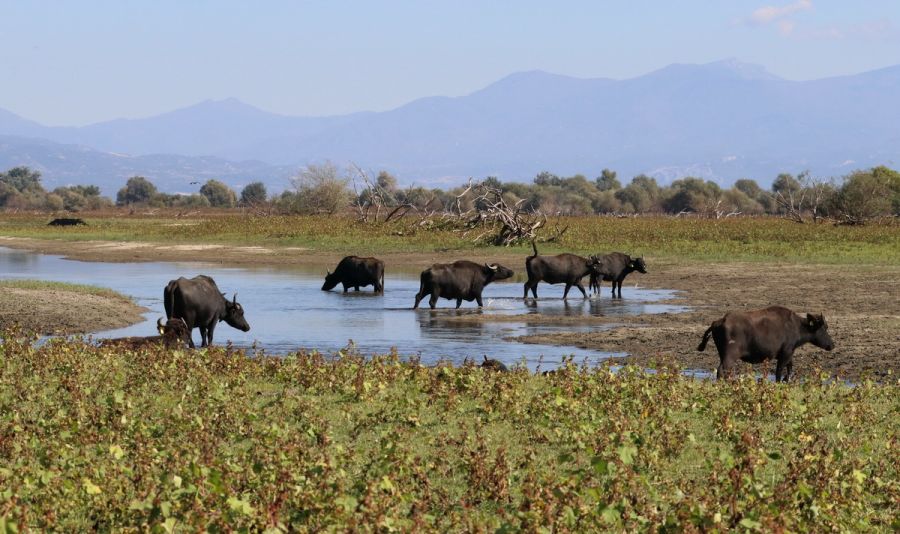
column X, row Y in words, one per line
column 94, row 438
column 733, row 239
column 63, row 286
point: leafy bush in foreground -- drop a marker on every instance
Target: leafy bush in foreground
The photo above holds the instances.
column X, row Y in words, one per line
column 92, row 438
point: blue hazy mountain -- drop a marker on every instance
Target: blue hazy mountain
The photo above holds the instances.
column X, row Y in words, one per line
column 722, row 120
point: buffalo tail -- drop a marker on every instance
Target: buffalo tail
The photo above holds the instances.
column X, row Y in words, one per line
column 706, row 335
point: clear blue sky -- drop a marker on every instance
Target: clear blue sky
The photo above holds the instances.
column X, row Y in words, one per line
column 72, row 63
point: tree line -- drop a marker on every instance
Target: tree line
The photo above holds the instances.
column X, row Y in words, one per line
column 329, row 188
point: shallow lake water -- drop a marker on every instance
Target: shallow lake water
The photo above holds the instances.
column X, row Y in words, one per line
column 288, row 311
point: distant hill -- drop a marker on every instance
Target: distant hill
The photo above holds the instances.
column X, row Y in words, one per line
column 722, row 121
column 62, row 164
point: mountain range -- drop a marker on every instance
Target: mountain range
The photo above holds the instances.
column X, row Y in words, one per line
column 721, row 121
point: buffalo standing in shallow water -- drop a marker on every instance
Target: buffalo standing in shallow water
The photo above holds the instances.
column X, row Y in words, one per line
column 460, row 280
column 562, row 268
column 356, row 272
column 200, row 303
column 614, row 267
column 758, row 335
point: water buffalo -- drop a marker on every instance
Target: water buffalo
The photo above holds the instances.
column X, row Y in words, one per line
column 356, row 272
column 562, row 268
column 460, row 280
column 200, row 303
column 66, row 222
column 173, row 334
column 614, row 267
column 491, row 364
column 759, row 335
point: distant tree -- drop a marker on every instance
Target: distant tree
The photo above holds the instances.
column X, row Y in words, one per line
column 640, row 196
column 387, row 182
column 607, row 181
column 868, row 194
column 319, row 189
column 137, row 190
column 692, row 194
column 749, row 187
column 254, row 194
column 23, row 180
column 546, row 178
column 218, row 194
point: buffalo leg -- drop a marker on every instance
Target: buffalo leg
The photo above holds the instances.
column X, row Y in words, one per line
column 202, row 336
column 783, row 364
column 581, row 287
column 209, row 334
column 356, row 288
column 478, row 300
column 566, row 291
column 346, row 287
column 458, row 303
column 726, row 365
column 419, row 296
column 432, row 302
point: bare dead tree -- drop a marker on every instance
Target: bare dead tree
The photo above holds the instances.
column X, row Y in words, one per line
column 501, row 222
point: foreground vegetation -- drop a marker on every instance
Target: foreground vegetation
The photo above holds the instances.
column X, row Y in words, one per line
column 92, row 439
column 733, row 239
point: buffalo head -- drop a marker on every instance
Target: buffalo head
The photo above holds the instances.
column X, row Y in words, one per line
column 497, row 271
column 639, row 265
column 234, row 315
column 817, row 327
column 331, row 280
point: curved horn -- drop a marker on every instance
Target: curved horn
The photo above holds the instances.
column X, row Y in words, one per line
column 160, row 327
column 327, row 272
column 492, row 266
column 184, row 322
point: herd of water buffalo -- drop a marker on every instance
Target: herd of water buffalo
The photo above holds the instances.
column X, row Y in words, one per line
column 753, row 336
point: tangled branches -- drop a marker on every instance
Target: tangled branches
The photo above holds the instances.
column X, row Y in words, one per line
column 503, row 221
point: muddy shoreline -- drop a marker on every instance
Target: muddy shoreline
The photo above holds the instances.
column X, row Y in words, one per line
column 861, row 302
column 53, row 311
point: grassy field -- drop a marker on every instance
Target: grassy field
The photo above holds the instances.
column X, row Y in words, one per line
column 733, row 239
column 91, row 439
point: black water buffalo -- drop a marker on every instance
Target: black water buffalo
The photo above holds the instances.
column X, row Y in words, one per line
column 460, row 280
column 614, row 267
column 491, row 364
column 759, row 335
column 66, row 222
column 566, row 269
column 174, row 334
column 356, row 272
column 200, row 303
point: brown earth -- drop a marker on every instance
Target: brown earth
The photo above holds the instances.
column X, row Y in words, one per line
column 60, row 312
column 861, row 303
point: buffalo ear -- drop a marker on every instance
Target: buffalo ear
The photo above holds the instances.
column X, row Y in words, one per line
column 811, row 320
column 234, row 299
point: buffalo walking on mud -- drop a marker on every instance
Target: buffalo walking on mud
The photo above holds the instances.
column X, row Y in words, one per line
column 200, row 303
column 460, row 280
column 759, row 335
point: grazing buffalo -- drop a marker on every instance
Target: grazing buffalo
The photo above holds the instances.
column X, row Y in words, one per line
column 460, row 280
column 172, row 335
column 200, row 303
column 614, row 267
column 758, row 335
column 562, row 268
column 491, row 364
column 66, row 222
column 356, row 272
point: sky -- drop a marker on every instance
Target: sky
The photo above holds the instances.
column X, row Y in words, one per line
column 75, row 63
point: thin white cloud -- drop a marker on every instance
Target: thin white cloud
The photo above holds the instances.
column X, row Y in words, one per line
column 769, row 14
column 874, row 30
